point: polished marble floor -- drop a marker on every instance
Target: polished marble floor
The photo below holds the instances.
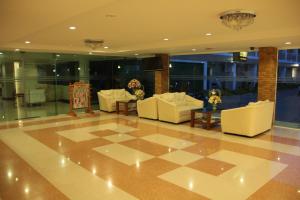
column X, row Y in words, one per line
column 109, row 156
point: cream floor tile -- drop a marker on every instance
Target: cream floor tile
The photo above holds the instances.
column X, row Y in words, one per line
column 119, row 137
column 72, row 180
column 249, row 174
column 123, row 154
column 168, row 141
column 78, row 137
column 181, row 157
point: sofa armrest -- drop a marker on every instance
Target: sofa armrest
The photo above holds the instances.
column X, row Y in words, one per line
column 236, row 120
column 104, row 102
column 129, row 96
column 147, row 108
column 193, row 101
column 166, row 110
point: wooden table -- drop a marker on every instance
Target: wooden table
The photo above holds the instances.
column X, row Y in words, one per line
column 207, row 121
column 126, row 106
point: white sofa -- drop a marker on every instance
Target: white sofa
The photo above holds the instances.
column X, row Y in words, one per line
column 107, row 98
column 176, row 107
column 251, row 120
column 147, row 108
column 35, row 96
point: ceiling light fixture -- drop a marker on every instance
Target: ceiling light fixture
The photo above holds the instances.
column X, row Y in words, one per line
column 136, row 54
column 288, row 43
column 27, row 42
column 1, row 53
column 90, row 53
column 166, row 39
column 237, row 19
column 106, row 47
column 93, row 44
column 72, row 27
column 208, row 34
column 194, row 49
column 295, row 65
column 17, row 49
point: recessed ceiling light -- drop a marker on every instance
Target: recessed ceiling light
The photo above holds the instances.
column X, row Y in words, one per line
column 17, row 49
column 1, row 53
column 166, row 39
column 106, row 47
column 194, row 49
column 208, row 34
column 90, row 53
column 288, row 43
column 72, row 27
column 136, row 54
column 119, row 67
column 57, row 55
column 170, row 65
column 27, row 42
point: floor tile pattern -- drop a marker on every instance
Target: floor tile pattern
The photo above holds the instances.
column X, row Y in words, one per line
column 109, row 156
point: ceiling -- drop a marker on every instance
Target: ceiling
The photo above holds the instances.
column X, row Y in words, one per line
column 139, row 26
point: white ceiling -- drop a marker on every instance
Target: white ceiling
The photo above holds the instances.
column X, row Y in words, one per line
column 139, row 26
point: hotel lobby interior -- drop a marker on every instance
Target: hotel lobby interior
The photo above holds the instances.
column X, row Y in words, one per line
column 150, row 100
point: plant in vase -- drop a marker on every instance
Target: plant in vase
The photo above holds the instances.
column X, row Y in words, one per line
column 137, row 88
column 214, row 98
column 139, row 93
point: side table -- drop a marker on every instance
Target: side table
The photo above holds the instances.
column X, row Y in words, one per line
column 126, row 106
column 207, row 121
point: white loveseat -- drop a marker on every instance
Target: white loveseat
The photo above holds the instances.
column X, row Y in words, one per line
column 34, row 96
column 251, row 120
column 107, row 98
column 176, row 107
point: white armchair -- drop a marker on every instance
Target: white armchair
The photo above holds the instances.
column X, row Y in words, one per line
column 176, row 107
column 107, row 98
column 250, row 120
column 35, row 96
column 147, row 108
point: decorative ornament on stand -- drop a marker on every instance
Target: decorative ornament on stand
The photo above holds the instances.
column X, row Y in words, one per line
column 214, row 98
column 137, row 89
column 237, row 19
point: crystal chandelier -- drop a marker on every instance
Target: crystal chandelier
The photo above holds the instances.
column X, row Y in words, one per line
column 237, row 19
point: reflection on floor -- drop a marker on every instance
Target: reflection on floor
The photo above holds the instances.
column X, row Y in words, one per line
column 16, row 110
column 109, row 156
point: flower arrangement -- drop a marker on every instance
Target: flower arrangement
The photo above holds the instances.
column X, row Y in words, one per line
column 139, row 93
column 214, row 98
column 137, row 88
column 134, row 84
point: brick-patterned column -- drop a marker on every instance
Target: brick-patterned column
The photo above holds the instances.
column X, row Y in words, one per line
column 267, row 73
column 162, row 76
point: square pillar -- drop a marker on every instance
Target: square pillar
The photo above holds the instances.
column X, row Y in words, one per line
column 267, row 73
column 161, row 78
